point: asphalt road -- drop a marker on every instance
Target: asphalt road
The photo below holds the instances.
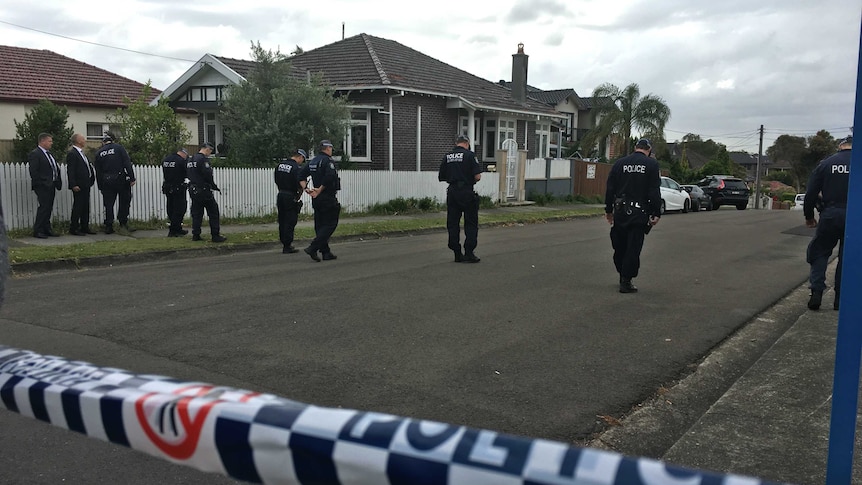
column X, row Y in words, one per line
column 534, row 340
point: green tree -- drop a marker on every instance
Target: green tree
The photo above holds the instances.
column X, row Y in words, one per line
column 791, row 149
column 721, row 164
column 820, row 146
column 149, row 132
column 45, row 117
column 272, row 112
column 620, row 111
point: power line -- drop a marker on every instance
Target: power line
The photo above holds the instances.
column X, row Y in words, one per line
column 96, row 43
column 746, row 132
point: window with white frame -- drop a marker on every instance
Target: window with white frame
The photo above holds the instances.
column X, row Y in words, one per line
column 95, row 131
column 477, row 129
column 506, row 131
column 358, row 142
column 203, row 93
column 543, row 138
column 490, row 137
column 556, row 147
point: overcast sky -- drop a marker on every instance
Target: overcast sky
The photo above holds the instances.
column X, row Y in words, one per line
column 723, row 67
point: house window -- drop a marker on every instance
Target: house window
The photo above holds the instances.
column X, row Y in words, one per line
column 543, row 137
column 205, row 93
column 556, row 136
column 211, row 131
column 95, row 131
column 359, row 136
column 506, row 131
column 491, row 136
column 465, row 129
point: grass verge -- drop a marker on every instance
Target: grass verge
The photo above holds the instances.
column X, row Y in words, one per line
column 349, row 227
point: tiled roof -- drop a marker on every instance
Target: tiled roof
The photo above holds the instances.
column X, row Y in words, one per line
column 554, row 97
column 31, row 75
column 365, row 60
column 745, row 158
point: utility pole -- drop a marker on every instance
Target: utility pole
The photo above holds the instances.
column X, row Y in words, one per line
column 757, row 176
column 342, row 30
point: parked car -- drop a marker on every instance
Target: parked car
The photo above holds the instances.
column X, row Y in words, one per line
column 725, row 190
column 797, row 202
column 673, row 196
column 699, row 199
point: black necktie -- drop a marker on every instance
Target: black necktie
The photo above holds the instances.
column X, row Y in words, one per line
column 53, row 164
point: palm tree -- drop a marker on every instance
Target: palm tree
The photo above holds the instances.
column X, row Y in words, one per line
column 619, row 111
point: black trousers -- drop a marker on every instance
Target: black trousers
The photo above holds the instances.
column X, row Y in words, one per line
column 177, row 204
column 110, row 195
column 45, row 197
column 462, row 201
column 326, row 213
column 210, row 205
column 80, row 220
column 285, row 202
column 627, row 239
column 830, row 230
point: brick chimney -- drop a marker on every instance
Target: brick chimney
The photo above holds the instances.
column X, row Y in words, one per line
column 519, row 74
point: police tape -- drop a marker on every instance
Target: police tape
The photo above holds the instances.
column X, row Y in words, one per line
column 263, row 438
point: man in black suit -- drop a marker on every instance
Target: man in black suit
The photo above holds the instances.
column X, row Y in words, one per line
column 81, row 177
column 45, row 179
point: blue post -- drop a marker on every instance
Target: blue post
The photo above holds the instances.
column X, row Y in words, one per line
column 845, row 387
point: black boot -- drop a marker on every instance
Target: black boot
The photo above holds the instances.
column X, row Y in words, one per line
column 313, row 253
column 329, row 256
column 458, row 256
column 815, row 299
column 470, row 258
column 626, row 286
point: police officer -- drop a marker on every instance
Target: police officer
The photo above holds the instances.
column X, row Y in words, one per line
column 115, row 178
column 174, row 188
column 829, row 180
column 201, row 187
column 461, row 171
column 290, row 189
column 632, row 207
column 326, row 184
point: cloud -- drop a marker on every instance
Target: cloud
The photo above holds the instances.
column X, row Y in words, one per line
column 526, row 11
column 555, row 39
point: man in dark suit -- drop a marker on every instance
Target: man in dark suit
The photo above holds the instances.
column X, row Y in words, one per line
column 81, row 177
column 45, row 179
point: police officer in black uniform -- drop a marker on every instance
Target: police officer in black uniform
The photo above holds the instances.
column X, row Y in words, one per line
column 460, row 169
column 290, row 189
column 201, row 187
column 115, row 178
column 829, row 181
column 632, row 207
column 174, row 188
column 326, row 184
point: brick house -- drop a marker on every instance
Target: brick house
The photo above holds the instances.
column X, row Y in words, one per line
column 89, row 93
column 406, row 107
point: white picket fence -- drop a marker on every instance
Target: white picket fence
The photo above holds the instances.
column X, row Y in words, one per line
column 245, row 192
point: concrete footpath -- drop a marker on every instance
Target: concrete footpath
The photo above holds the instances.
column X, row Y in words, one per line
column 770, row 421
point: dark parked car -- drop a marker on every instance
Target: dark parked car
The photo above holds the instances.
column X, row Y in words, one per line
column 699, row 199
column 725, row 190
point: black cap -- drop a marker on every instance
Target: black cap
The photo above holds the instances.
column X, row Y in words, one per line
column 325, row 143
column 106, row 138
column 208, row 145
column 644, row 143
column 462, row 139
column 300, row 151
column 847, row 140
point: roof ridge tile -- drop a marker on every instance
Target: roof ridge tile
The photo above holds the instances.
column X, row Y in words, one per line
column 377, row 64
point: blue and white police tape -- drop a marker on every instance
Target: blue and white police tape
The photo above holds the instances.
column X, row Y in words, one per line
column 262, row 438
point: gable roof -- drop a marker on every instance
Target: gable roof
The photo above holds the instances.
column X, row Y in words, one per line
column 367, row 62
column 746, row 159
column 61, row 79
